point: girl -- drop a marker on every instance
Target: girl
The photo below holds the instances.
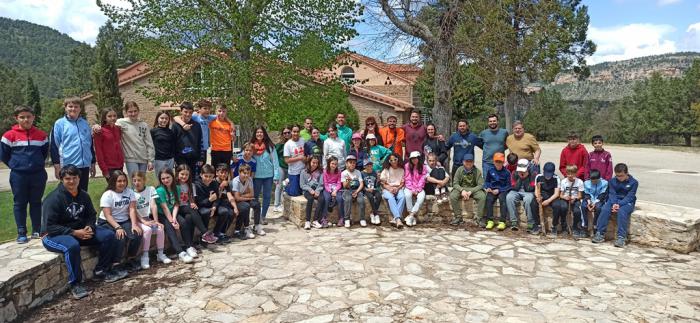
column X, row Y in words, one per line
column 312, row 186
column 331, row 187
column 279, row 148
column 147, row 210
column 118, row 214
column 168, row 202
column 163, row 143
column 414, row 178
column 268, row 171
column 357, row 149
column 392, row 179
column 221, row 136
column 371, row 127
column 247, row 159
column 188, row 210
column 334, row 147
column 136, row 140
column 315, row 145
column 433, row 144
column 294, row 157
column 377, row 153
column 108, row 149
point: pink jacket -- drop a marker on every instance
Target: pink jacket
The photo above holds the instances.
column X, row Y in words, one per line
column 414, row 181
column 331, row 179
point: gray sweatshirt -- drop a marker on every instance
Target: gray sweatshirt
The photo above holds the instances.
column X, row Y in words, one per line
column 137, row 144
column 311, row 182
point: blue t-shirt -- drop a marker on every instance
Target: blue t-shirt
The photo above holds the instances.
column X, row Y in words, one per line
column 494, row 142
column 235, row 166
column 204, row 123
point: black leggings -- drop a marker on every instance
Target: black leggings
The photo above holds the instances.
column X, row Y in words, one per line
column 491, row 200
column 171, row 233
column 310, row 204
column 191, row 220
column 375, row 199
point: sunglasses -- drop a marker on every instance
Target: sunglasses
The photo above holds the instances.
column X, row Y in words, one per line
column 370, row 123
column 393, row 159
column 286, row 132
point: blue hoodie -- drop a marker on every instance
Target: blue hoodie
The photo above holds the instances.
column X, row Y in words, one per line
column 498, row 179
column 623, row 193
column 597, row 193
column 71, row 143
column 463, row 143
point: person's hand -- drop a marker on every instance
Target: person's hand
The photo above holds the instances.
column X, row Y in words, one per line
column 615, row 207
column 212, row 196
column 57, row 171
column 354, row 194
column 414, row 193
column 187, row 127
column 465, row 195
column 92, row 170
column 539, row 199
column 441, row 137
column 135, row 229
column 535, row 161
column 193, row 206
column 88, row 229
column 200, row 163
column 495, row 191
column 545, row 203
column 176, row 225
column 488, row 190
column 120, row 233
column 160, row 225
column 149, row 167
column 96, row 129
column 80, row 234
column 333, row 194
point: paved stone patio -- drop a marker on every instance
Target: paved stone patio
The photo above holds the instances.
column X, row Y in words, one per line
column 423, row 274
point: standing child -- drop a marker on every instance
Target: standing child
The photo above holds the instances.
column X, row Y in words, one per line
column 24, row 149
column 352, row 190
column 331, row 187
column 437, row 180
column 621, row 200
column 574, row 154
column 313, row 146
column 294, row 157
column 137, row 143
column 595, row 193
column 372, row 191
column 222, row 135
column 108, row 148
column 414, row 179
column 188, row 210
column 246, row 159
column 168, row 207
column 242, row 187
column 147, row 210
column 599, row 159
column 571, row 194
column 547, row 194
column 358, row 150
column 497, row 185
column 312, row 186
column 163, row 143
column 207, row 198
column 279, row 148
column 377, row 153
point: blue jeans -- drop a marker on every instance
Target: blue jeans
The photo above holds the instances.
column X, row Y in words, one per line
column 69, row 246
column 132, row 167
column 27, row 188
column 396, row 202
column 623, row 219
column 293, row 188
column 133, row 240
column 264, row 185
column 339, row 203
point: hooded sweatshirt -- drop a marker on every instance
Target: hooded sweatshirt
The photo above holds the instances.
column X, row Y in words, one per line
column 24, row 150
column 62, row 212
column 414, row 180
column 574, row 156
column 188, row 144
column 137, row 143
column 602, row 161
column 108, row 148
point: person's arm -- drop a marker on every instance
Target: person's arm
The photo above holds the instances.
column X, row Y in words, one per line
column 119, row 232
column 630, row 196
column 202, row 196
column 51, row 214
column 100, row 154
column 135, row 227
column 5, row 151
column 479, row 183
column 154, row 210
column 538, row 191
column 456, row 186
column 362, row 185
column 319, row 188
column 584, row 169
column 303, row 179
column 562, row 163
column 449, row 143
column 554, row 196
column 56, row 140
column 275, row 167
column 538, row 152
column 150, row 148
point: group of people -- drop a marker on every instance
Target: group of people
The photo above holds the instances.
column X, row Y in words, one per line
column 337, row 169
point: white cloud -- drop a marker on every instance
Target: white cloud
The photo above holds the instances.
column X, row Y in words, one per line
column 691, row 39
column 667, row 2
column 630, row 41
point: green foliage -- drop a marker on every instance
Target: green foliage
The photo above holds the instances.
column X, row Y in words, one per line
column 105, row 83
column 10, row 96
column 53, row 110
column 31, row 97
column 82, row 58
column 550, row 118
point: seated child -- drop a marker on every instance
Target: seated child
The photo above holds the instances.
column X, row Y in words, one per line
column 207, row 198
column 437, row 180
column 247, row 158
column 147, row 210
column 547, row 193
column 595, row 193
column 622, row 195
column 372, row 190
column 242, row 188
column 497, row 185
column 570, row 194
column 353, row 185
column 311, row 183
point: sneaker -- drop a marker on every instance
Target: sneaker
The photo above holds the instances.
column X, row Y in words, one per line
column 113, row 275
column 22, row 239
column 184, row 257
column 145, row 261
column 264, row 222
column 259, row 230
column 209, row 237
column 598, row 238
column 241, row 235
column 341, row 222
column 192, row 252
column 324, row 223
column 553, row 233
column 36, row 235
column 410, row 220
column 377, row 219
column 78, row 291
column 347, row 223
column 577, row 234
column 535, row 230
column 489, row 225
column 619, row 242
column 514, row 226
column 249, row 233
column 456, row 221
column 363, row 223
column 307, row 225
column 277, row 209
column 529, row 227
column 392, row 221
column 223, row 238
column 399, row 224
column 501, row 226
column 482, row 223
column 161, row 257
column 316, row 225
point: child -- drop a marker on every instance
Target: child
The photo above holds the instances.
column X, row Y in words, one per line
column 137, row 143
column 437, row 180
column 595, row 193
column 163, row 143
column 311, row 181
column 574, row 153
column 512, row 163
column 621, row 199
column 599, row 159
column 392, row 179
column 331, row 186
column 571, row 193
column 414, row 179
column 24, row 149
column 242, row 187
column 222, row 135
column 118, row 214
column 352, row 190
column 294, row 157
column 188, row 210
column 547, row 194
column 147, row 210
column 497, row 185
column 108, row 149
column 247, row 159
column 206, row 197
column 188, row 139
column 169, row 205
column 468, row 184
column 285, row 134
column 523, row 181
column 357, row 149
column 377, row 153
column 225, row 201
column 314, row 146
column 372, row 191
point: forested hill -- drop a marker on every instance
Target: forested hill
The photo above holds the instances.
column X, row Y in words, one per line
column 39, row 51
column 612, row 81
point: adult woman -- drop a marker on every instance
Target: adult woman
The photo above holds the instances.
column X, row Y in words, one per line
column 333, row 146
column 164, row 143
column 371, row 127
column 433, row 144
column 267, row 170
column 221, row 136
column 285, row 134
column 136, row 140
column 392, row 179
column 414, row 179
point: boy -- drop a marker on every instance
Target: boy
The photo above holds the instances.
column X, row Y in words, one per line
column 512, row 164
column 621, row 199
column 546, row 194
column 242, row 187
column 523, row 190
column 247, row 158
column 207, row 197
column 468, row 184
column 574, row 154
column 571, row 194
column 599, row 159
column 202, row 118
column 497, row 185
column 71, row 142
column 436, row 182
column 372, row 190
column 294, row 157
column 188, row 140
column 23, row 149
column 352, row 189
column 595, row 192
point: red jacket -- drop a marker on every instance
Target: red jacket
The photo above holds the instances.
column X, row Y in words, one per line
column 577, row 156
column 108, row 148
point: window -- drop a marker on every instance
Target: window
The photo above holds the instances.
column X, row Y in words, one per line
column 347, row 73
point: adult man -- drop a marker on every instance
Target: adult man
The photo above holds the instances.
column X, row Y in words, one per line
column 188, row 143
column 71, row 142
column 464, row 142
column 524, row 144
column 203, row 118
column 68, row 222
column 574, row 154
column 494, row 139
column 414, row 133
column 392, row 137
column 344, row 132
column 622, row 195
column 467, row 185
column 306, row 132
column 523, row 190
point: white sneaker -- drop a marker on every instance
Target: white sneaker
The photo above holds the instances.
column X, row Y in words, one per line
column 192, row 252
column 347, row 223
column 307, row 225
column 277, row 209
column 377, row 219
column 163, row 258
column 409, row 220
column 363, row 223
column 145, row 261
column 259, row 230
column 316, row 225
column 393, row 221
column 249, row 233
column 184, row 257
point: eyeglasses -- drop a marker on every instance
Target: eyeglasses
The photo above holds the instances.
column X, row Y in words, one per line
column 370, row 123
column 393, row 159
column 285, row 132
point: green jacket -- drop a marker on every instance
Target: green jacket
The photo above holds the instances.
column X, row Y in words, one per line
column 468, row 181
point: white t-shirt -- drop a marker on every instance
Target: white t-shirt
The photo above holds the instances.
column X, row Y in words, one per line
column 238, row 186
column 294, row 149
column 144, row 200
column 568, row 190
column 355, row 178
column 118, row 203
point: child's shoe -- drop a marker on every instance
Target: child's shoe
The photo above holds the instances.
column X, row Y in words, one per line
column 145, row 261
column 489, row 225
column 307, row 225
column 184, row 257
column 363, row 223
column 161, row 257
column 316, row 225
column 501, row 226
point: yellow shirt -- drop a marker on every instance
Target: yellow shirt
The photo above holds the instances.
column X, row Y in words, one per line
column 221, row 135
column 524, row 147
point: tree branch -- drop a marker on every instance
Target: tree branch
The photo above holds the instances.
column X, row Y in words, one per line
column 409, row 24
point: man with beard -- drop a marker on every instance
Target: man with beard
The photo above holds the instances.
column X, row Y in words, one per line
column 392, row 137
column 524, row 145
column 464, row 142
column 494, row 139
column 308, row 127
column 414, row 132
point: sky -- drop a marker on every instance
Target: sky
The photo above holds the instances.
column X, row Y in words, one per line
column 622, row 29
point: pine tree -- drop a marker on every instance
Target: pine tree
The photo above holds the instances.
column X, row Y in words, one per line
column 31, row 97
column 104, row 79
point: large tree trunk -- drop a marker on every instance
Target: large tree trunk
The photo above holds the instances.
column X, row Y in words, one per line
column 442, row 85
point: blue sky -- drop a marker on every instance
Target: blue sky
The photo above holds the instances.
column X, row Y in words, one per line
column 622, row 29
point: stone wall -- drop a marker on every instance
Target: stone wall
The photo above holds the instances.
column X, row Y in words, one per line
column 367, row 108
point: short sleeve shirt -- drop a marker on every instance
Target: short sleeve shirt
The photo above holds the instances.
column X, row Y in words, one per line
column 220, row 135
column 118, row 203
column 185, row 193
column 568, row 189
column 294, row 149
column 547, row 186
column 204, row 124
column 144, row 200
column 370, row 180
column 355, row 178
column 524, row 147
column 236, row 166
column 241, row 187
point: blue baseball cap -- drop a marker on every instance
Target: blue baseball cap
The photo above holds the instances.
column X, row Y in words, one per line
column 549, row 169
column 467, row 156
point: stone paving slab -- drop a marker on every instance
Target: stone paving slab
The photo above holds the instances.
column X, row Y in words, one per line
column 380, row 274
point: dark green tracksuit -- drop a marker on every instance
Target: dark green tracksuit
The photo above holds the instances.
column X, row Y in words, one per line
column 470, row 181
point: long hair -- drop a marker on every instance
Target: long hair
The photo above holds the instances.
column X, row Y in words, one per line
column 387, row 164
column 282, row 140
column 103, row 115
column 172, row 189
column 308, row 164
column 419, row 167
column 113, row 177
column 319, row 141
column 183, row 167
column 328, row 164
column 130, row 104
column 269, row 146
column 155, row 123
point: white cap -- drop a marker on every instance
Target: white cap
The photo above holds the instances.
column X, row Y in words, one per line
column 522, row 165
column 414, row 154
column 370, row 136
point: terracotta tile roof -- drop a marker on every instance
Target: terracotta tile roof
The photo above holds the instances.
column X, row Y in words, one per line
column 406, row 72
column 397, row 104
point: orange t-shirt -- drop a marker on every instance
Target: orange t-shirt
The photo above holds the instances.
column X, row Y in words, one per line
column 393, row 140
column 221, row 135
